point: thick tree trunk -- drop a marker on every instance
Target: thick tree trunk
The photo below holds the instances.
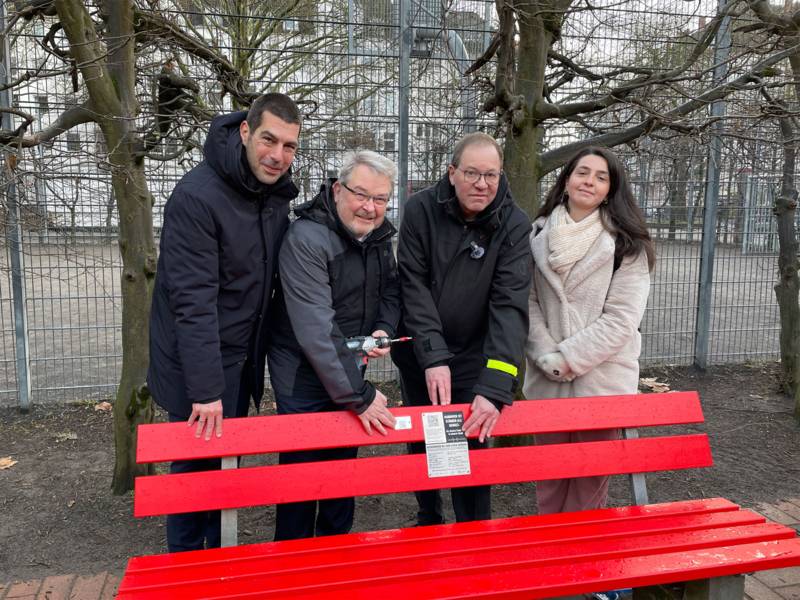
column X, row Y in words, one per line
column 538, row 23
column 133, row 405
column 522, row 166
column 787, row 290
column 108, row 68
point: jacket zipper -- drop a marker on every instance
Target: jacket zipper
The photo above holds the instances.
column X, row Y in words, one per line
column 260, row 317
column 364, row 260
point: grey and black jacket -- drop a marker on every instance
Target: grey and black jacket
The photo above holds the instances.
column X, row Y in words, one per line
column 219, row 248
column 332, row 286
column 465, row 290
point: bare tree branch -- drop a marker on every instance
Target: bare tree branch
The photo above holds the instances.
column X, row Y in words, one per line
column 67, row 120
column 548, row 110
column 150, row 25
column 555, row 158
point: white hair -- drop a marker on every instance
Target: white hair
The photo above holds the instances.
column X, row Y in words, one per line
column 379, row 164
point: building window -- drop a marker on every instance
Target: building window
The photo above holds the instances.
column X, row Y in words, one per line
column 43, row 103
column 73, row 142
column 100, row 147
column 388, row 141
column 330, row 139
column 171, row 146
column 193, row 13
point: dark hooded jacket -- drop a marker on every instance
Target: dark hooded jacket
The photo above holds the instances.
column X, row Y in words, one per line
column 332, row 286
column 218, row 256
column 465, row 290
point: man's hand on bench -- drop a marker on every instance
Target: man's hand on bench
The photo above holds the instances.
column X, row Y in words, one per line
column 438, row 381
column 377, row 415
column 208, row 417
column 483, row 416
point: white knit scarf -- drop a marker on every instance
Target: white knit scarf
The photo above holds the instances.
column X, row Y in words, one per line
column 569, row 241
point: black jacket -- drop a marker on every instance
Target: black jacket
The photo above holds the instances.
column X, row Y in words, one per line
column 218, row 255
column 465, row 290
column 332, row 287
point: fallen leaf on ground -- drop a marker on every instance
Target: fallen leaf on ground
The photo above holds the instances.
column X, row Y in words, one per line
column 67, row 435
column 7, row 462
column 103, row 406
column 71, row 503
column 653, row 384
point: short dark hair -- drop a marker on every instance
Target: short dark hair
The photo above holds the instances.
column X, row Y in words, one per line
column 477, row 138
column 276, row 104
column 621, row 214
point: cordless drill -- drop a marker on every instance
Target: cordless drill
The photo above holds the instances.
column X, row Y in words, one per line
column 362, row 345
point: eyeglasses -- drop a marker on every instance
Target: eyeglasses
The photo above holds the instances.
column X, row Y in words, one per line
column 473, row 176
column 379, row 201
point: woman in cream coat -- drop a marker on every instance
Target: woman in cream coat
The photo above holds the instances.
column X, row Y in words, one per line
column 593, row 257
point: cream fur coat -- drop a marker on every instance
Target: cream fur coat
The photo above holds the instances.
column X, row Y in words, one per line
column 592, row 319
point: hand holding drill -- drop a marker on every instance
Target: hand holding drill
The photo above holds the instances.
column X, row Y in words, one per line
column 372, row 346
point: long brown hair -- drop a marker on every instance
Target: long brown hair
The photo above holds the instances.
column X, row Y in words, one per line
column 620, row 214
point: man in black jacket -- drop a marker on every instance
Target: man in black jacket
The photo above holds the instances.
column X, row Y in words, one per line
column 465, row 273
column 338, row 279
column 223, row 226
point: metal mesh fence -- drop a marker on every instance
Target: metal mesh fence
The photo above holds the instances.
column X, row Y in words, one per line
column 341, row 59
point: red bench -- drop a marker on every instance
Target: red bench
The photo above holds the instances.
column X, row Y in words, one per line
column 710, row 543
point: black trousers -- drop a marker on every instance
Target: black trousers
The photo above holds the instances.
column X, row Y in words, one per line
column 469, row 503
column 316, row 517
column 199, row 530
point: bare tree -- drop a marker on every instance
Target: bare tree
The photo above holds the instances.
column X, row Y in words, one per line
column 532, row 70
column 134, row 65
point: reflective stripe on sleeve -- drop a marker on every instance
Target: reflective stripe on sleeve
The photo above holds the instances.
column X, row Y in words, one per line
column 499, row 365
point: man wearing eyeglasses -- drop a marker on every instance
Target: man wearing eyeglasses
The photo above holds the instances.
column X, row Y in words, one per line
column 465, row 274
column 338, row 279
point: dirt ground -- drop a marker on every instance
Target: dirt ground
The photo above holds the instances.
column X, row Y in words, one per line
column 57, row 514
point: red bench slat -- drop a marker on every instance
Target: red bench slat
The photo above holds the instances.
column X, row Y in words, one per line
column 414, row 572
column 520, row 583
column 255, row 435
column 617, row 515
column 238, row 488
column 283, row 557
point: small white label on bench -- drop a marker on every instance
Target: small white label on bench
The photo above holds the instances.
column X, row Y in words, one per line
column 402, row 423
column 445, row 444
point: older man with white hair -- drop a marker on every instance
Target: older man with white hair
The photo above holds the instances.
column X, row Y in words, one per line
column 338, row 280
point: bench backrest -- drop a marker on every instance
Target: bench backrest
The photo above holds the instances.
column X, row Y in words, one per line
column 273, row 484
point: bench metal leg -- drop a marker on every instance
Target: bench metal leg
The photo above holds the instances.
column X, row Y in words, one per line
column 719, row 588
column 229, row 526
column 637, row 480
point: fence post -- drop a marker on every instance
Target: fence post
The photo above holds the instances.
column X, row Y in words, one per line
column 748, row 213
column 704, row 296
column 406, row 40
column 14, row 239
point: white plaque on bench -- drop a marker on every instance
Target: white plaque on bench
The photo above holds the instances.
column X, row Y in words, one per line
column 445, row 444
